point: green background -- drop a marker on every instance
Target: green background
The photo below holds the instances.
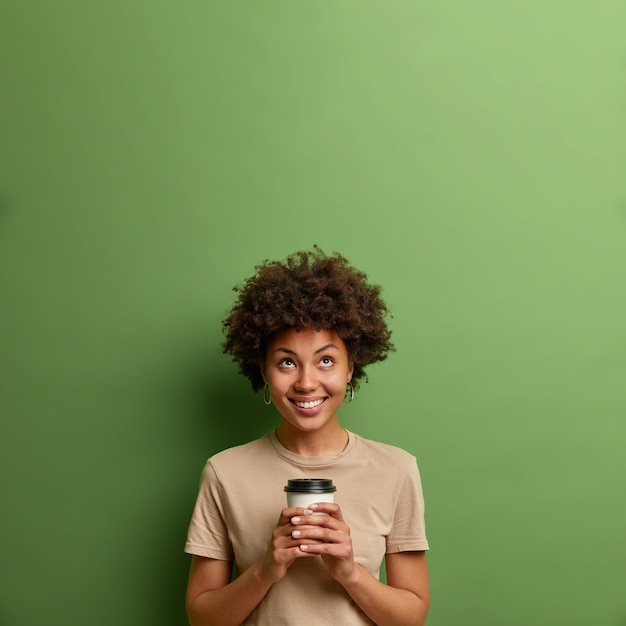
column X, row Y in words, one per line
column 469, row 156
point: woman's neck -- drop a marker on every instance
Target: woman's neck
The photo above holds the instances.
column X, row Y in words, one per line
column 314, row 443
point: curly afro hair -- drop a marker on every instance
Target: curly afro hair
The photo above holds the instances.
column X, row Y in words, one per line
column 309, row 290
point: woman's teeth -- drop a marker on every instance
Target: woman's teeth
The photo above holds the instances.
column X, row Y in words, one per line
column 308, row 405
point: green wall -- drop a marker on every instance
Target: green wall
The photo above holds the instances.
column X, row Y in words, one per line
column 468, row 155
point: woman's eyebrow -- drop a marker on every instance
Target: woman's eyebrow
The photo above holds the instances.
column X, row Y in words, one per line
column 322, row 349
column 326, row 347
column 287, row 350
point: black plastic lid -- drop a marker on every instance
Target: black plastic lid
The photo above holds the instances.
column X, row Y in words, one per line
column 310, row 485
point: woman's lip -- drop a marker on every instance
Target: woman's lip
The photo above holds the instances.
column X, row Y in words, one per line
column 307, row 403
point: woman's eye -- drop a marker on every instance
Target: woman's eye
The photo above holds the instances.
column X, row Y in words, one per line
column 326, row 362
column 286, row 363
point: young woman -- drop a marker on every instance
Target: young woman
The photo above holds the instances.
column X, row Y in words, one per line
column 303, row 331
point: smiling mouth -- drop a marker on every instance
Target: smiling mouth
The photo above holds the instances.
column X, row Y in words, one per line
column 308, row 405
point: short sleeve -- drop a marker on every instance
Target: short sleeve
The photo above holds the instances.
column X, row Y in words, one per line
column 408, row 531
column 208, row 533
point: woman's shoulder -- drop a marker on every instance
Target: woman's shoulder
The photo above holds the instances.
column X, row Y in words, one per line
column 246, row 451
column 385, row 452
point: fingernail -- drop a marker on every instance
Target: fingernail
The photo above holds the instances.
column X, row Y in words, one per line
column 295, row 520
column 295, row 533
column 307, row 512
column 304, row 547
column 313, row 506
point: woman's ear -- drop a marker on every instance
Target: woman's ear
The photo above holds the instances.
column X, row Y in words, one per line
column 350, row 370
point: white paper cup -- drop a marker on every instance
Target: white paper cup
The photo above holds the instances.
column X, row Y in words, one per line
column 305, row 491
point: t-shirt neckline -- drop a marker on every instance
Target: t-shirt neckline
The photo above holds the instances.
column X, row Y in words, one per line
column 312, row 461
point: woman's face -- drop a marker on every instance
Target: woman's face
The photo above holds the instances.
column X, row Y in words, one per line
column 307, row 373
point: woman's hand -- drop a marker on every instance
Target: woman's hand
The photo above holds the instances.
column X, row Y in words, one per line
column 284, row 547
column 325, row 533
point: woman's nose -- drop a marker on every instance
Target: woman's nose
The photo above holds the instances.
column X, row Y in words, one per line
column 306, row 380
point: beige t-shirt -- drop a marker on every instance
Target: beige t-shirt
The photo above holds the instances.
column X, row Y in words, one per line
column 241, row 497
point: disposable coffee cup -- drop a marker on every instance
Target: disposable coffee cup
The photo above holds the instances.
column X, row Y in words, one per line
column 306, row 491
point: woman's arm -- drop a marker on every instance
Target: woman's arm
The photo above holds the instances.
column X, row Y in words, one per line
column 404, row 601
column 213, row 600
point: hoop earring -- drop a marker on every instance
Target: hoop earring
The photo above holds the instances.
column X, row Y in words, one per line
column 267, row 399
column 350, row 388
